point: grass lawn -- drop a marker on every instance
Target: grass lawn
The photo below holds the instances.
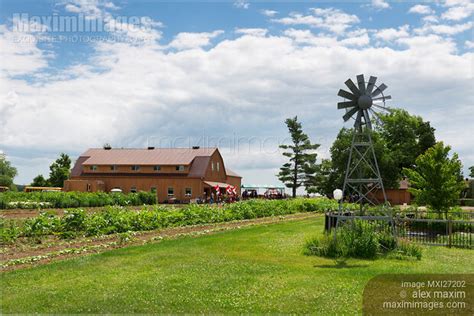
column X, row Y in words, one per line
column 255, row 269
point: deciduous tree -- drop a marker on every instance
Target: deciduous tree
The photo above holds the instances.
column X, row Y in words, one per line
column 59, row 170
column 436, row 179
column 7, row 173
column 39, row 181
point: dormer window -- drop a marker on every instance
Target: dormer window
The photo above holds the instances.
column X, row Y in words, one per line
column 93, row 168
column 156, row 168
column 217, row 166
column 113, row 168
column 180, row 168
column 135, row 168
column 212, row 165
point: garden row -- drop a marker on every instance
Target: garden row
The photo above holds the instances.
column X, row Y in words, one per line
column 32, row 200
column 113, row 219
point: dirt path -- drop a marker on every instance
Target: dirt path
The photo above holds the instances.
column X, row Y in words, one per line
column 19, row 255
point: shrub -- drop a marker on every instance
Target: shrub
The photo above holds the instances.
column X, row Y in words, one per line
column 30, row 200
column 360, row 239
column 386, row 241
column 326, row 246
column 407, row 250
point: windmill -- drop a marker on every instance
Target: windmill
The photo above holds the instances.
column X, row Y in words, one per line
column 363, row 103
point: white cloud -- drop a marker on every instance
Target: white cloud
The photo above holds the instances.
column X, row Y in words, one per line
column 241, row 4
column 391, row 34
column 252, row 31
column 19, row 52
column 421, row 9
column 269, row 13
column 380, row 4
column 355, row 38
column 444, row 29
column 92, row 9
column 458, row 10
column 130, row 94
column 331, row 19
column 187, row 40
column 469, row 44
column 458, row 13
column 430, row 19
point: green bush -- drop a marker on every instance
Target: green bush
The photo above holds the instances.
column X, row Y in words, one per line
column 326, row 246
column 360, row 239
column 31, row 200
column 407, row 250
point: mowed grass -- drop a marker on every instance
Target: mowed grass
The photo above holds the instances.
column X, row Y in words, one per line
column 256, row 269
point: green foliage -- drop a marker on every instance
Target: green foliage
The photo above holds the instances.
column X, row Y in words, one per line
column 40, row 181
column 115, row 219
column 7, row 173
column 301, row 168
column 9, row 232
column 471, row 169
column 407, row 250
column 59, row 170
column 406, row 137
column 29, row 200
column 359, row 239
column 397, row 143
column 436, row 180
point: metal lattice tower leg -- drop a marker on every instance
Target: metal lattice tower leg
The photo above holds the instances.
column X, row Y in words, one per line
column 362, row 180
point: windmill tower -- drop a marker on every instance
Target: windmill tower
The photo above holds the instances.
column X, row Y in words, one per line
column 362, row 179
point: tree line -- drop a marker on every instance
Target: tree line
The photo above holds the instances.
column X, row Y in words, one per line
column 405, row 146
column 59, row 171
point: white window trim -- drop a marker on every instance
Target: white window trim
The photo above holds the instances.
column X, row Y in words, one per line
column 190, row 193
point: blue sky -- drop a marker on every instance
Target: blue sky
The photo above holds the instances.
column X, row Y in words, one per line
column 225, row 73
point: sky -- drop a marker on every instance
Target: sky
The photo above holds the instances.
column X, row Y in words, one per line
column 77, row 74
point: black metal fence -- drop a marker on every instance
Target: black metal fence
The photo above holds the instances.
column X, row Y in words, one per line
column 439, row 232
column 429, row 231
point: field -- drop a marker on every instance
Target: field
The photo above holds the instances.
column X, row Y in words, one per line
column 254, row 269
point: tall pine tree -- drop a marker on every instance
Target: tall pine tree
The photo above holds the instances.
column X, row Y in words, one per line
column 301, row 168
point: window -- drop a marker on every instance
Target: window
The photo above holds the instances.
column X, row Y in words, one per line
column 218, row 166
column 113, row 168
column 93, row 168
column 212, row 165
column 135, row 168
column 170, row 191
column 188, row 192
column 153, row 189
column 88, row 187
column 179, row 168
column 133, row 189
column 157, row 168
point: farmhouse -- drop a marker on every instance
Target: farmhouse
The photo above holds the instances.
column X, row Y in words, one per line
column 173, row 173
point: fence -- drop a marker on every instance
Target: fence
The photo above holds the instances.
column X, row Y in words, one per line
column 439, row 232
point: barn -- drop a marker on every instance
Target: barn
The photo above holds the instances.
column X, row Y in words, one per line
column 175, row 174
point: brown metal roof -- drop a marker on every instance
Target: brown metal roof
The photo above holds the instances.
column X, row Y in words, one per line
column 231, row 173
column 199, row 167
column 158, row 156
